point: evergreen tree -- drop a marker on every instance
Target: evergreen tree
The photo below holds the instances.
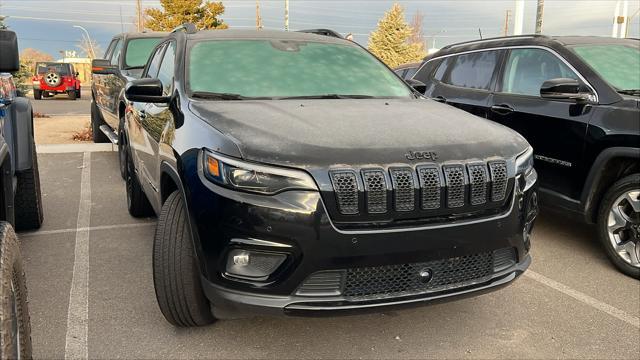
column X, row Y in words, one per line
column 389, row 41
column 203, row 14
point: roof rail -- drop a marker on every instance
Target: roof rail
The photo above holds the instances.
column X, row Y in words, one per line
column 188, row 28
column 479, row 41
column 324, row 32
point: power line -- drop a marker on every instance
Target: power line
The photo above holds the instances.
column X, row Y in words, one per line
column 69, row 20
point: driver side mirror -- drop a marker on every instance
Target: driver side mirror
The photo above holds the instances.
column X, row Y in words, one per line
column 146, row 91
column 102, row 67
column 563, row 89
column 417, row 85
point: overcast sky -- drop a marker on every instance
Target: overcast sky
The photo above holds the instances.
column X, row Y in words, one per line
column 48, row 24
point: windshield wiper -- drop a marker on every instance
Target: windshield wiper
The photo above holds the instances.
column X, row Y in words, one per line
column 327, row 96
column 224, row 96
column 630, row 91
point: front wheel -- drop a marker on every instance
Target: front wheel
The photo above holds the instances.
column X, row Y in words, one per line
column 137, row 201
column 96, row 121
column 176, row 276
column 619, row 224
column 28, row 199
column 37, row 94
column 72, row 94
column 15, row 326
column 78, row 93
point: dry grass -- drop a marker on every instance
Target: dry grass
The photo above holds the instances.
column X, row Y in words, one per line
column 37, row 114
column 85, row 134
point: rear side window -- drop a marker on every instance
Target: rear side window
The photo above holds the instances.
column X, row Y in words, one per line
column 473, row 70
column 424, row 71
column 439, row 75
column 165, row 74
column 527, row 69
column 154, row 65
column 410, row 72
column 115, row 57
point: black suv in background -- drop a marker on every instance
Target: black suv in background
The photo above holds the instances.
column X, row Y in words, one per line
column 295, row 173
column 577, row 101
column 123, row 61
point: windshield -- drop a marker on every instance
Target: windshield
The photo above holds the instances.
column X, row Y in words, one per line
column 285, row 68
column 59, row 68
column 616, row 64
column 138, row 51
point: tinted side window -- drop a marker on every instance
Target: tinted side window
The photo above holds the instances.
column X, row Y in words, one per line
column 439, row 74
column 115, row 57
column 154, row 64
column 527, row 69
column 165, row 74
column 410, row 73
column 425, row 70
column 473, row 70
column 112, row 44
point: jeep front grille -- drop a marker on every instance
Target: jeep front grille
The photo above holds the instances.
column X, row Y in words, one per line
column 499, row 180
column 345, row 186
column 425, row 189
column 404, row 191
column 375, row 187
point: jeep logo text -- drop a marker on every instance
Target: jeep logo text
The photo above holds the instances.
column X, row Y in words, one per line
column 421, row 155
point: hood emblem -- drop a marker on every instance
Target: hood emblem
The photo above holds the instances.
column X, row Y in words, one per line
column 421, row 155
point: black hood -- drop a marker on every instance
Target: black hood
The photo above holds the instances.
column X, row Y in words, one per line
column 322, row 133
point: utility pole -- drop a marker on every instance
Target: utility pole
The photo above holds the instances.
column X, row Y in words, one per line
column 518, row 18
column 140, row 16
column 258, row 17
column 539, row 14
column 506, row 22
column 286, row 15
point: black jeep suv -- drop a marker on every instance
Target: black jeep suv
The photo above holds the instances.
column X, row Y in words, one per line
column 295, row 173
column 577, row 101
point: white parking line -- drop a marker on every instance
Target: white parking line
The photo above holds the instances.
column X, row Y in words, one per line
column 584, row 298
column 92, row 228
column 78, row 313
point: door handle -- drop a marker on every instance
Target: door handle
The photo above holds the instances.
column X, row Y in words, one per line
column 439, row 99
column 502, row 109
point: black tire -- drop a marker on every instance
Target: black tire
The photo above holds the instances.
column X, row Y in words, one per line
column 15, row 326
column 28, row 199
column 96, row 122
column 78, row 93
column 176, row 277
column 37, row 94
column 622, row 186
column 137, row 202
column 72, row 94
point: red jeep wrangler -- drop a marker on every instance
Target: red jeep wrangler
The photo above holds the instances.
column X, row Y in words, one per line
column 55, row 78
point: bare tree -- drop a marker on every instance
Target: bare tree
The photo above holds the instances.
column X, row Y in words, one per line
column 417, row 29
column 90, row 47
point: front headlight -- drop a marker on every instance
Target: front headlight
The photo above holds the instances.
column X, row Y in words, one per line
column 261, row 179
column 525, row 171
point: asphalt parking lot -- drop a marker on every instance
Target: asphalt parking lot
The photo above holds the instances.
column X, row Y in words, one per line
column 91, row 294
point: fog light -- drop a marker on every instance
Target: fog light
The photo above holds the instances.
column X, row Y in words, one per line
column 253, row 265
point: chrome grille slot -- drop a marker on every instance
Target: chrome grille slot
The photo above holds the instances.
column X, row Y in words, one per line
column 499, row 179
column 430, row 185
column 375, row 187
column 403, row 189
column 345, row 186
column 478, row 181
column 455, row 179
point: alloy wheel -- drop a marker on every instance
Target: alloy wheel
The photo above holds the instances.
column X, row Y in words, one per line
column 623, row 227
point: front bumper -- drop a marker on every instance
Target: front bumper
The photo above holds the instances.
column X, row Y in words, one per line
column 232, row 304
column 297, row 224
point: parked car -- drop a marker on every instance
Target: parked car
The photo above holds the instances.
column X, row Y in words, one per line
column 20, row 203
column 282, row 187
column 407, row 71
column 53, row 78
column 577, row 101
column 124, row 60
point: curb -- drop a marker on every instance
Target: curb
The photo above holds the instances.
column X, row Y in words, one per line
column 74, row 148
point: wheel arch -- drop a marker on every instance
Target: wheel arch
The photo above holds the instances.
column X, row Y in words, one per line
column 7, row 212
column 170, row 181
column 610, row 165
